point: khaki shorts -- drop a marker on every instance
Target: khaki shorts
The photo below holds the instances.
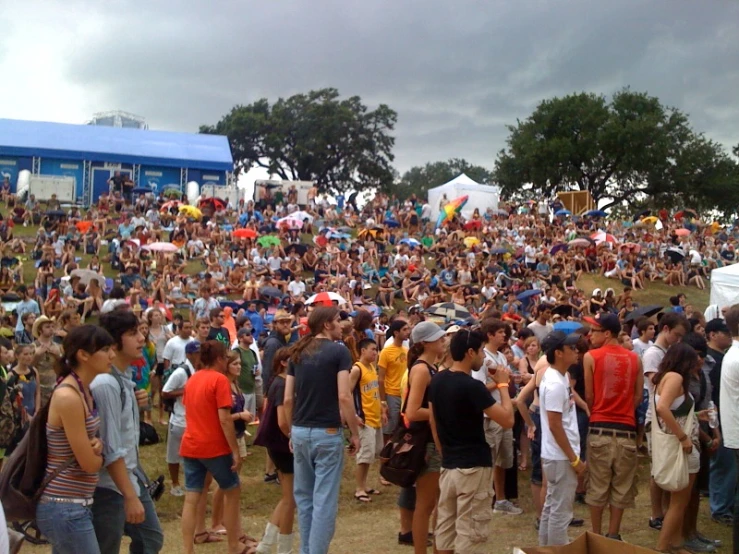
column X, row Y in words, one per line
column 612, row 465
column 501, row 444
column 242, row 447
column 464, row 511
column 370, row 444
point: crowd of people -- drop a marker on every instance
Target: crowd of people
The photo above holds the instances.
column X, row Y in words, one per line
column 476, row 332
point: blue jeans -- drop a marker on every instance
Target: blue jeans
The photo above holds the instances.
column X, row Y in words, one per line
column 109, row 519
column 319, row 460
column 736, row 504
column 722, row 482
column 68, row 527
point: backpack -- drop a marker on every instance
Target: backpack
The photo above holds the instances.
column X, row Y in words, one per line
column 11, row 420
column 147, row 434
column 168, row 403
column 23, row 478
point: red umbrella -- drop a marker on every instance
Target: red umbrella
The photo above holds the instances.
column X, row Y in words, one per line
column 635, row 248
column 244, row 234
column 475, row 224
column 216, row 203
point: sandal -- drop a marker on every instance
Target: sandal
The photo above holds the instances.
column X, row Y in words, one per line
column 248, row 541
column 208, row 538
column 373, row 492
column 362, row 498
column 384, row 482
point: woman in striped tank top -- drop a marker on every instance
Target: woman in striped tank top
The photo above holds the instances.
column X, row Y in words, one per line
column 74, row 450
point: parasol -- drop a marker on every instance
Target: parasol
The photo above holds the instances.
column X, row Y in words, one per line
column 474, row 225
column 291, row 223
column 567, row 326
column 635, row 248
column 558, row 248
column 269, row 240
column 641, row 215
column 651, row 220
column 449, row 311
column 410, row 242
column 161, row 247
column 675, row 254
column 562, row 213
column 601, row 237
column 271, row 292
column 580, row 242
column 451, row 209
column 326, row 299
column 302, row 216
column 87, row 275
column 244, row 234
column 172, row 204
column 499, row 250
column 682, row 232
column 644, row 311
column 469, row 242
column 215, row 204
column 528, row 294
column 595, row 213
column 191, row 211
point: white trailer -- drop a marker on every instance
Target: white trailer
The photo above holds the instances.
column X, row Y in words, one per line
column 43, row 186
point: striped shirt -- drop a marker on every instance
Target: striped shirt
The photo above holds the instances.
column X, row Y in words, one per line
column 72, row 482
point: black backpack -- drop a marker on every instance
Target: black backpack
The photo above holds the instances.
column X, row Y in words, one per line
column 168, row 403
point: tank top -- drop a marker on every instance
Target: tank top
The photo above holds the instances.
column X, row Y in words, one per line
column 614, row 378
column 367, row 396
column 72, row 482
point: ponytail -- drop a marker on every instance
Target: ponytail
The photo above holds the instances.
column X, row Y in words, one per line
column 415, row 352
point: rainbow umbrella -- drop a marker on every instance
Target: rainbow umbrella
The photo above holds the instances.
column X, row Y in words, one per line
column 448, row 211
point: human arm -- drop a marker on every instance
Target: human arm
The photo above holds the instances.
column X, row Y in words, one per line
column 418, row 380
column 639, row 386
column 175, row 385
column 229, row 431
column 67, row 403
column 588, row 366
column 432, row 424
column 346, row 406
column 381, row 372
column 671, row 388
column 502, row 412
column 560, row 437
column 288, row 401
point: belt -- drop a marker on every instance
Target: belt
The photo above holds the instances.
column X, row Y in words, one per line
column 612, row 432
column 81, row 501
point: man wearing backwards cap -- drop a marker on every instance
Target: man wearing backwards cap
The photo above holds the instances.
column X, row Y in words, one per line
column 613, row 389
column 560, row 438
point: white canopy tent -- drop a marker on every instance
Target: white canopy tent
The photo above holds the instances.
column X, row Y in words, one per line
column 480, row 196
column 725, row 286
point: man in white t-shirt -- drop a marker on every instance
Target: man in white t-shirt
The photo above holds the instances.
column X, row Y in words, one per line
column 174, row 388
column 560, row 438
column 500, row 440
column 296, row 287
column 174, row 351
column 541, row 326
column 729, row 398
column 529, row 255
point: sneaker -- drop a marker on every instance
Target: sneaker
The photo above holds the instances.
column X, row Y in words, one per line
column 615, row 537
column 406, row 539
column 655, row 523
column 580, row 498
column 694, row 545
column 703, row 538
column 271, row 478
column 177, row 491
column 507, row 507
column 724, row 519
column 577, row 522
column 537, row 523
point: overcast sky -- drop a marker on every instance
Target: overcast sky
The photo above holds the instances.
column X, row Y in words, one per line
column 456, row 71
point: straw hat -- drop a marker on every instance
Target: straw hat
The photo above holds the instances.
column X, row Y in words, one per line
column 38, row 323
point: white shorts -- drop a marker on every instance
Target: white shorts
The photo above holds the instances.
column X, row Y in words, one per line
column 370, row 444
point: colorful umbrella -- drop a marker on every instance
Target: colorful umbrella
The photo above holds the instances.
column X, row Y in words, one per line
column 651, row 220
column 161, row 247
column 686, row 212
column 326, row 299
column 469, row 242
column 302, row 216
column 450, row 210
column 269, row 240
column 558, row 248
column 682, row 232
column 449, row 311
column 371, row 234
column 214, row 203
column 87, row 275
column 644, row 311
column 410, row 242
column 290, row 222
column 601, row 236
column 641, row 215
column 191, row 211
column 528, row 294
column 567, row 326
column 244, row 234
column 474, row 225
column 579, row 242
column 635, row 248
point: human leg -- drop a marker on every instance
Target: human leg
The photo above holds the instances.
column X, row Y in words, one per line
column 146, row 537
column 427, row 493
column 327, row 451
column 108, row 519
column 557, row 512
column 304, row 483
column 670, row 534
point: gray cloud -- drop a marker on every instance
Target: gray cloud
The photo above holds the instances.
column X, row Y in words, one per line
column 456, row 72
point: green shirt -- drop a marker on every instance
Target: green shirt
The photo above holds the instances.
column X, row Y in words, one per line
column 248, row 362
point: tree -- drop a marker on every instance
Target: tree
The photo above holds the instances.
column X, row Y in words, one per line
column 418, row 180
column 317, row 136
column 631, row 150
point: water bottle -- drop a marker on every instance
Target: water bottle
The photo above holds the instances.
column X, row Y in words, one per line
column 712, row 415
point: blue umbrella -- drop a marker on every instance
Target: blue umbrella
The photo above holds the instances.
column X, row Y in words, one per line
column 528, row 294
column 410, row 242
column 567, row 326
column 391, row 223
column 499, row 251
column 595, row 213
column 142, row 190
column 562, row 213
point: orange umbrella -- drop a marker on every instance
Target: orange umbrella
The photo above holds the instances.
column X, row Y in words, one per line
column 244, row 234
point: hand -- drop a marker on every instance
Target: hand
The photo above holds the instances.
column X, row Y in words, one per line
column 687, row 445
column 703, row 415
column 236, row 466
column 713, row 446
column 360, row 423
column 353, row 445
column 581, row 468
column 142, row 398
column 501, row 375
column 531, row 433
column 134, row 510
column 97, row 446
column 247, row 416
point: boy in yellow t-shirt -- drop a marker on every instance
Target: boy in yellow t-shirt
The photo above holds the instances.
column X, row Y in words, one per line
column 370, row 414
column 392, row 365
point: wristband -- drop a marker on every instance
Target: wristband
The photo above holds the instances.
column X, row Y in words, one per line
column 502, row 385
column 576, row 462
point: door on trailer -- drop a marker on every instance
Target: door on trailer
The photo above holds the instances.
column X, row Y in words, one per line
column 100, row 177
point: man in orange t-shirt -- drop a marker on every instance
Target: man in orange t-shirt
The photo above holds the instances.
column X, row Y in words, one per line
column 613, row 389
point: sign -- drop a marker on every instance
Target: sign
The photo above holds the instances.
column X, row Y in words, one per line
column 63, row 168
column 157, row 178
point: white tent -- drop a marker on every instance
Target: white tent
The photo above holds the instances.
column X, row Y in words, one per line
column 480, row 196
column 725, row 286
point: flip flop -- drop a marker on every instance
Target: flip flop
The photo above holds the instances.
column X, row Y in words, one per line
column 385, row 483
column 373, row 492
column 209, row 537
column 362, row 498
column 248, row 541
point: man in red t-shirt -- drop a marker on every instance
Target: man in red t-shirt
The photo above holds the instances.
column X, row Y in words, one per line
column 613, row 389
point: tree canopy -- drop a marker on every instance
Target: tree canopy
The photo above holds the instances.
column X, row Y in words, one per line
column 632, row 150
column 419, row 179
column 338, row 143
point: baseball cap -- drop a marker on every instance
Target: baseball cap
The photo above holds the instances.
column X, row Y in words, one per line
column 557, row 339
column 244, row 332
column 192, row 347
column 717, row 325
column 607, row 322
column 426, row 331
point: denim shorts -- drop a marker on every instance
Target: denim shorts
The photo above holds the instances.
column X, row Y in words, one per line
column 219, row 467
column 641, row 409
column 68, row 527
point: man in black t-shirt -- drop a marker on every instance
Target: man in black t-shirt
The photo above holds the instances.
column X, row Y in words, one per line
column 457, row 403
column 217, row 330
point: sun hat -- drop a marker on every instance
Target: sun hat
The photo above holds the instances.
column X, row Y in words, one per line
column 37, row 325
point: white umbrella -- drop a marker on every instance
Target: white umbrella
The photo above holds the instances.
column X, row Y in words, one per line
column 161, row 247
column 291, row 222
column 302, row 216
column 87, row 275
column 323, row 296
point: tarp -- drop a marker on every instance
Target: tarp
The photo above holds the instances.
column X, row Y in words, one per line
column 480, row 196
column 725, row 286
column 98, row 143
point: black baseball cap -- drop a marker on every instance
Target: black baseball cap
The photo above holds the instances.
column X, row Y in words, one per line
column 717, row 325
column 556, row 340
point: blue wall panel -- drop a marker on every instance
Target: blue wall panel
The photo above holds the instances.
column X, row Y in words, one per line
column 65, row 168
column 205, row 177
column 10, row 166
column 157, row 178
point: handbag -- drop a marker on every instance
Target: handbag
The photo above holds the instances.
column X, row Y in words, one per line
column 404, row 458
column 669, row 462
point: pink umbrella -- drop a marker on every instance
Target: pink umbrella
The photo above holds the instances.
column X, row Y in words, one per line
column 601, row 236
column 290, row 222
column 682, row 232
column 161, row 247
